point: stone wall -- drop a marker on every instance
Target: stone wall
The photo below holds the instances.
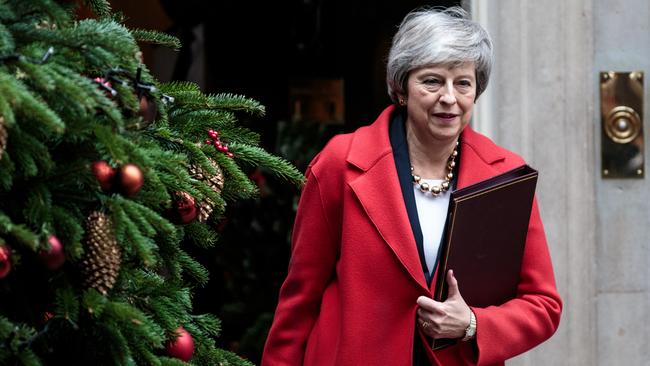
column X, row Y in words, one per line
column 543, row 103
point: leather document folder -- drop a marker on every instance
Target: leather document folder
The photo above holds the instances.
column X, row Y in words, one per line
column 484, row 238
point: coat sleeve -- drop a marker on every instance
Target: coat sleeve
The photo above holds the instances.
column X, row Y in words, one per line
column 314, row 253
column 522, row 323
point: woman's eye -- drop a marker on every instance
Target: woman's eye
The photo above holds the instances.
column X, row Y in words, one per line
column 432, row 81
column 464, row 83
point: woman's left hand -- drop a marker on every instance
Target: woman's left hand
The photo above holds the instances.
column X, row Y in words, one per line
column 447, row 319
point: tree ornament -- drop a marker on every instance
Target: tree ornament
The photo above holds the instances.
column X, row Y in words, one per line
column 3, row 136
column 215, row 182
column 47, row 316
column 215, row 141
column 107, row 86
column 148, row 110
column 182, row 347
column 102, row 260
column 5, row 260
column 104, row 173
column 185, row 210
column 130, row 179
column 54, row 256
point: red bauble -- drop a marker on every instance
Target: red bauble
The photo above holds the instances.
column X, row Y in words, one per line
column 47, row 316
column 104, row 173
column 130, row 179
column 5, row 261
column 183, row 347
column 185, row 208
column 148, row 110
column 54, row 257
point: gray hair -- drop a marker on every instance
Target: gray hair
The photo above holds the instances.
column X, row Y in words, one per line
column 430, row 36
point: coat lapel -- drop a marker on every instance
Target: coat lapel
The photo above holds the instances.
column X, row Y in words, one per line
column 379, row 192
column 477, row 156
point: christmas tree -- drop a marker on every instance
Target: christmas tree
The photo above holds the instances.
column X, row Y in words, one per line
column 107, row 179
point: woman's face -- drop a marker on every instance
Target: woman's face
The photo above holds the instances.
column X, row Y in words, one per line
column 440, row 100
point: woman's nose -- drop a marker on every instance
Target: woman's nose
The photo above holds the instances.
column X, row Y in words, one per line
column 447, row 95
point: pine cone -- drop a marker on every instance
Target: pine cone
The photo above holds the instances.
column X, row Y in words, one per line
column 3, row 136
column 102, row 261
column 216, row 182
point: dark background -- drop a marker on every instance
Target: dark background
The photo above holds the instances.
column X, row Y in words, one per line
column 258, row 48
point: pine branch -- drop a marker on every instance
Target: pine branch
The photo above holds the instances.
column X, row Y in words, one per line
column 68, row 229
column 168, row 251
column 100, row 7
column 226, row 102
column 207, row 324
column 31, row 108
column 7, row 44
column 168, row 361
column 194, row 124
column 20, row 233
column 29, row 358
column 193, row 268
column 154, row 37
column 240, row 135
column 116, row 342
column 239, row 185
column 163, row 227
column 7, row 13
column 88, row 98
column 94, row 302
column 7, row 171
column 256, row 156
column 170, row 311
column 30, row 154
column 22, row 334
column 6, row 327
column 235, row 102
column 132, row 209
column 6, row 111
column 201, row 235
column 38, row 206
column 44, row 13
column 135, row 245
column 66, row 304
column 108, row 145
column 231, row 359
column 135, row 322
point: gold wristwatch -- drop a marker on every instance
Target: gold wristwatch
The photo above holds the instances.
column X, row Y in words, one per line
column 470, row 331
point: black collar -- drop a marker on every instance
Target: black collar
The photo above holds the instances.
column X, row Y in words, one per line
column 397, row 135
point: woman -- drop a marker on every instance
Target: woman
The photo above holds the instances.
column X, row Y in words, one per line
column 368, row 228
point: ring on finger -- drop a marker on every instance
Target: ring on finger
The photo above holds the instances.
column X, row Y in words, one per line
column 425, row 324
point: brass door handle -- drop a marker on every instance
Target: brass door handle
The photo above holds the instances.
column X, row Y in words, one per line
column 621, row 111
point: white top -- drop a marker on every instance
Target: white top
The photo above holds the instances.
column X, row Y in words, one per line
column 432, row 213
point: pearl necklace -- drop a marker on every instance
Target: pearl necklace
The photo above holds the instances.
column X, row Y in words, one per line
column 436, row 190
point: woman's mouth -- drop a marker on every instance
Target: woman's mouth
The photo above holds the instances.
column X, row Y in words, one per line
column 446, row 117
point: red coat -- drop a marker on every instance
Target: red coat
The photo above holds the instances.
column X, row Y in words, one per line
column 355, row 274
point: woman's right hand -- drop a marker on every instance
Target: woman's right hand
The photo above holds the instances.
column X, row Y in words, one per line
column 447, row 319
